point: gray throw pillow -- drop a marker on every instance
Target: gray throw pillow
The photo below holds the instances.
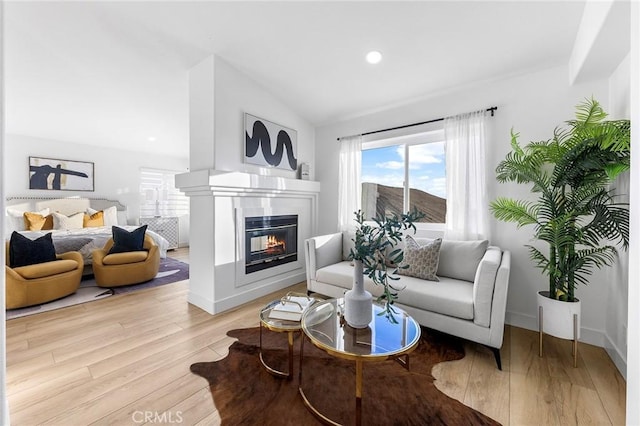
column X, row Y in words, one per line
column 422, row 260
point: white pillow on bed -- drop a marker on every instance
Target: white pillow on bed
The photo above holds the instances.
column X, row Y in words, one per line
column 110, row 215
column 64, row 222
column 16, row 219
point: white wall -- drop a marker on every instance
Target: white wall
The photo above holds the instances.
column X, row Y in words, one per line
column 235, row 94
column 633, row 348
column 116, row 172
column 533, row 104
column 4, row 404
column 616, row 278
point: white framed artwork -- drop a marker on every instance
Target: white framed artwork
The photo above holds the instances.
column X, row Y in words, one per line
column 269, row 144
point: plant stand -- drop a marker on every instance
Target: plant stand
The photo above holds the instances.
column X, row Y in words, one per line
column 575, row 334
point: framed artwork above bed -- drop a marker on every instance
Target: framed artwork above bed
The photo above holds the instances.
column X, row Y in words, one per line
column 61, row 175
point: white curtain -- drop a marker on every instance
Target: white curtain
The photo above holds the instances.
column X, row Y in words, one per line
column 349, row 192
column 467, row 206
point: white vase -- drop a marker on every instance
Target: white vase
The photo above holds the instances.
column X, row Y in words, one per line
column 358, row 309
column 557, row 316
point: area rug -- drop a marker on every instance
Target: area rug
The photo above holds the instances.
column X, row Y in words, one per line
column 171, row 271
column 245, row 394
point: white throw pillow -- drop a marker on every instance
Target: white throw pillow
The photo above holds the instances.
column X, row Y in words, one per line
column 110, row 215
column 63, row 222
column 16, row 219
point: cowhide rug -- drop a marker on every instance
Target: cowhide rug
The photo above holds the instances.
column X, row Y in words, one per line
column 246, row 394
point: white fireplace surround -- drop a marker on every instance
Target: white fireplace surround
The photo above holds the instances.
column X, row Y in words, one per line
column 219, row 203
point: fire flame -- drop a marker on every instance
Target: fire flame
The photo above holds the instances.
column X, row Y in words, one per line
column 273, row 242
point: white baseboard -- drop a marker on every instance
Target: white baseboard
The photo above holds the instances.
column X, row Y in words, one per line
column 201, row 302
column 587, row 335
column 256, row 292
column 618, row 358
column 216, row 306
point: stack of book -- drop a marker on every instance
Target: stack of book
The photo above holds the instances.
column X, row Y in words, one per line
column 290, row 308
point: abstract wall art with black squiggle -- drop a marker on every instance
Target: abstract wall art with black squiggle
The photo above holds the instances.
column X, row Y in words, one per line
column 269, row 144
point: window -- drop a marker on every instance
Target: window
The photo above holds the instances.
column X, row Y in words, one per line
column 405, row 172
column 159, row 195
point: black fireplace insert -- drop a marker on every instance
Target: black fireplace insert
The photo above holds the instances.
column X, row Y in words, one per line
column 270, row 241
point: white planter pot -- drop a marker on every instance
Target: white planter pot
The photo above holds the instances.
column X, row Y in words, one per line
column 557, row 316
column 358, row 309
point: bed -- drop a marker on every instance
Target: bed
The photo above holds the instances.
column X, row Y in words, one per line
column 83, row 240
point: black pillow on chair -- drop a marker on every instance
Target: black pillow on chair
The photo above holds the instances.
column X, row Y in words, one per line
column 124, row 241
column 23, row 251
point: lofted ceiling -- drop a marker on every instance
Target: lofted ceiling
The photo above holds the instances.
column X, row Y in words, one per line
column 116, row 73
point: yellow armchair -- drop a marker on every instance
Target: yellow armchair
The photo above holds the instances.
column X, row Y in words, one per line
column 42, row 282
column 134, row 267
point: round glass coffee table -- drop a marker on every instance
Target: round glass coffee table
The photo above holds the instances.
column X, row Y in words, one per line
column 323, row 323
column 279, row 326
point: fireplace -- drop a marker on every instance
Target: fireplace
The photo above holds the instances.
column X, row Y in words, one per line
column 270, row 241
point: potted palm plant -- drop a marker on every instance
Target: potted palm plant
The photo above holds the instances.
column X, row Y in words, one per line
column 575, row 213
column 377, row 255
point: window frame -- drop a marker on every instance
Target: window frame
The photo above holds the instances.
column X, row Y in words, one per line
column 176, row 203
column 418, row 135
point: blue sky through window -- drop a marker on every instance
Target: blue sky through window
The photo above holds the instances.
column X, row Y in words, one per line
column 385, row 166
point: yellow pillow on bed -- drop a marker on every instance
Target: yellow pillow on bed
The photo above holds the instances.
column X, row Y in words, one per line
column 94, row 220
column 36, row 222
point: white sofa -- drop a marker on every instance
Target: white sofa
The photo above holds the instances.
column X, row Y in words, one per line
column 468, row 301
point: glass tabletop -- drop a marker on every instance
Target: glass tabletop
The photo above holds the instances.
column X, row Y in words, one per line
column 277, row 322
column 323, row 324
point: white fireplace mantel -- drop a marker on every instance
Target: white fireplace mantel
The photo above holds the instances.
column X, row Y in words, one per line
column 197, row 182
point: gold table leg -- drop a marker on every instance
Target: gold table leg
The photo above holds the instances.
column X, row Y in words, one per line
column 324, row 419
column 287, row 375
column 358, row 392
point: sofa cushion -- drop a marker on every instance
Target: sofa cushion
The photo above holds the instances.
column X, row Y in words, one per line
column 448, row 297
column 125, row 257
column 24, row 251
column 421, row 261
column 459, row 259
column 46, row 269
column 338, row 274
column 483, row 286
column 125, row 241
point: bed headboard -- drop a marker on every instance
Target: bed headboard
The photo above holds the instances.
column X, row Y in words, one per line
column 66, row 206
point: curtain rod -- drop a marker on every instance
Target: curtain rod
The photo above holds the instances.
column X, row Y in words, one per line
column 492, row 109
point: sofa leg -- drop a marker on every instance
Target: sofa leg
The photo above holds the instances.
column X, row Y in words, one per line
column 496, row 354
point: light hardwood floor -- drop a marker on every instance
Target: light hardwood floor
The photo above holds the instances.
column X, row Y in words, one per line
column 117, row 360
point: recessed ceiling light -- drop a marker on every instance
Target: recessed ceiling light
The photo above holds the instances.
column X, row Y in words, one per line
column 374, row 57
column 151, row 139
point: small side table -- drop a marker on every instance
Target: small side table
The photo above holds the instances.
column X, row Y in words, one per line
column 279, row 326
